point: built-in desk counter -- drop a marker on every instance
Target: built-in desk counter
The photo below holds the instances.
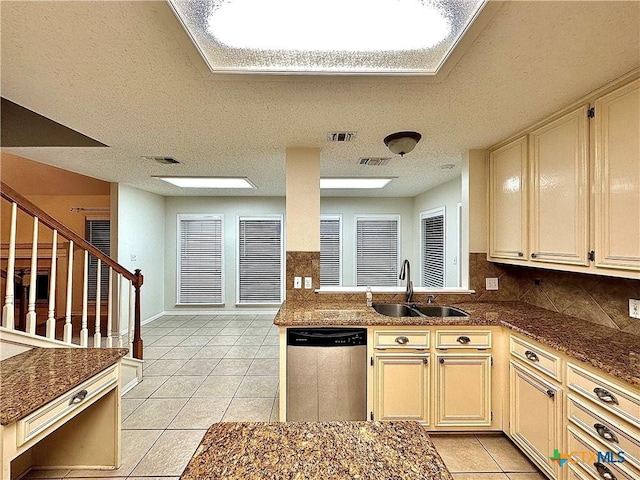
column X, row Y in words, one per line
column 60, row 397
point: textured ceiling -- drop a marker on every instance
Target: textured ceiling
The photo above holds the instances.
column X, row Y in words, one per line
column 125, row 74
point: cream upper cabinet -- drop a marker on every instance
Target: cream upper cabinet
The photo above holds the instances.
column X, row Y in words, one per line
column 617, row 178
column 463, row 390
column 401, row 386
column 508, row 200
column 559, row 204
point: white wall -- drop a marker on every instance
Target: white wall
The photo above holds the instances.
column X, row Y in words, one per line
column 140, row 221
column 447, row 195
column 351, row 206
column 230, row 208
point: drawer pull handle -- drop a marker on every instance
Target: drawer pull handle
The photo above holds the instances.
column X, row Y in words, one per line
column 463, row 339
column 604, row 472
column 605, row 395
column 531, row 356
column 605, row 433
column 551, row 393
column 78, row 397
column 402, row 340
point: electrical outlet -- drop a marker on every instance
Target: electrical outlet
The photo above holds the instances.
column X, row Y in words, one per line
column 491, row 283
column 297, row 282
column 308, row 282
column 634, row 308
column 134, row 257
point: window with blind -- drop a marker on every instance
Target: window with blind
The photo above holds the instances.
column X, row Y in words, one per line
column 377, row 250
column 98, row 234
column 260, row 262
column 432, row 247
column 200, row 259
column 330, row 250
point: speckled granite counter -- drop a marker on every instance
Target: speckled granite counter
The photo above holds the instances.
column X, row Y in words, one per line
column 612, row 351
column 31, row 379
column 327, row 450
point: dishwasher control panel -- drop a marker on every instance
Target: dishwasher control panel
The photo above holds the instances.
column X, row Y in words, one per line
column 330, row 336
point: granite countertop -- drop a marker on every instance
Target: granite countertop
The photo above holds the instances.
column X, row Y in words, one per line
column 32, row 379
column 324, row 450
column 612, row 351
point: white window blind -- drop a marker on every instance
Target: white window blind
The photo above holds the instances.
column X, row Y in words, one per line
column 432, row 239
column 330, row 251
column 260, row 260
column 200, row 261
column 377, row 250
column 98, row 234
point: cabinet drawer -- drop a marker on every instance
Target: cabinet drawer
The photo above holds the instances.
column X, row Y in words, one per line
column 407, row 339
column 463, row 339
column 601, row 426
column 576, row 473
column 613, row 398
column 536, row 357
column 593, row 457
column 67, row 405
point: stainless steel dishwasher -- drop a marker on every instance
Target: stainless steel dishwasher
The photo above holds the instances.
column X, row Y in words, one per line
column 326, row 374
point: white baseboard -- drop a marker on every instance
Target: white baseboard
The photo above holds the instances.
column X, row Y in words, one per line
column 239, row 312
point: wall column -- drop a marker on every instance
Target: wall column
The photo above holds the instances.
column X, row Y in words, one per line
column 302, row 221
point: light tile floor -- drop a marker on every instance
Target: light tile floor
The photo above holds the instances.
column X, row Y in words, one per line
column 205, row 369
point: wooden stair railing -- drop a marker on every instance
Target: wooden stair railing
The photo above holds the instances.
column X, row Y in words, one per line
column 117, row 276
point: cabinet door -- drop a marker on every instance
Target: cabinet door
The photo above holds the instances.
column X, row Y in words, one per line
column 535, row 418
column 559, row 228
column 463, row 390
column 617, row 178
column 401, row 387
column 507, row 201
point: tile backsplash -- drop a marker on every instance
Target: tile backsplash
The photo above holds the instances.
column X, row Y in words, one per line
column 594, row 298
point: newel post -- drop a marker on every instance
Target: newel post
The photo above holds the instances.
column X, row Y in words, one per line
column 137, row 337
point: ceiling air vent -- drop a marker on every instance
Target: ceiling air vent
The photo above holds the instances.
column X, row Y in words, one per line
column 374, row 161
column 161, row 160
column 341, row 136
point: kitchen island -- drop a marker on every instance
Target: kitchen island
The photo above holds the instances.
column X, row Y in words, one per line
column 323, row 450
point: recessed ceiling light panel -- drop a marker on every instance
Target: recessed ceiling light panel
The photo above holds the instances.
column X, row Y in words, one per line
column 326, row 36
column 208, row 182
column 350, row 183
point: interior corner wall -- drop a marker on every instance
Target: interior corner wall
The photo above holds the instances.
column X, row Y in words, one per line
column 447, row 195
column 140, row 242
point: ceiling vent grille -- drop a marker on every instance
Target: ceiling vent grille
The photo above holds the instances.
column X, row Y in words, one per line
column 374, row 161
column 341, row 136
column 161, row 160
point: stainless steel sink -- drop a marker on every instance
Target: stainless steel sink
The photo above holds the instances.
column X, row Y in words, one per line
column 395, row 310
column 439, row 311
column 402, row 310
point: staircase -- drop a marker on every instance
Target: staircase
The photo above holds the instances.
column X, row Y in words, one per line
column 29, row 320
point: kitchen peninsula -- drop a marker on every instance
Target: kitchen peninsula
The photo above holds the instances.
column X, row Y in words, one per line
column 494, row 370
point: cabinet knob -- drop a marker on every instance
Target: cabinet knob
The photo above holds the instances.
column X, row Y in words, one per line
column 441, row 360
column 520, row 254
column 402, row 340
column 605, row 395
column 533, row 255
column 78, row 397
column 604, row 471
column 531, row 356
column 605, row 433
column 551, row 393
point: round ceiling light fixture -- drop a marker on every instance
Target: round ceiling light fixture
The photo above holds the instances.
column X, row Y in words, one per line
column 402, row 143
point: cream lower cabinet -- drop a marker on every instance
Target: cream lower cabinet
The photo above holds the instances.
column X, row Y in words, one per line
column 401, row 386
column 463, row 390
column 535, row 423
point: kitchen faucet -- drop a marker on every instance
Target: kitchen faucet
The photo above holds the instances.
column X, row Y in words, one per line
column 405, row 272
